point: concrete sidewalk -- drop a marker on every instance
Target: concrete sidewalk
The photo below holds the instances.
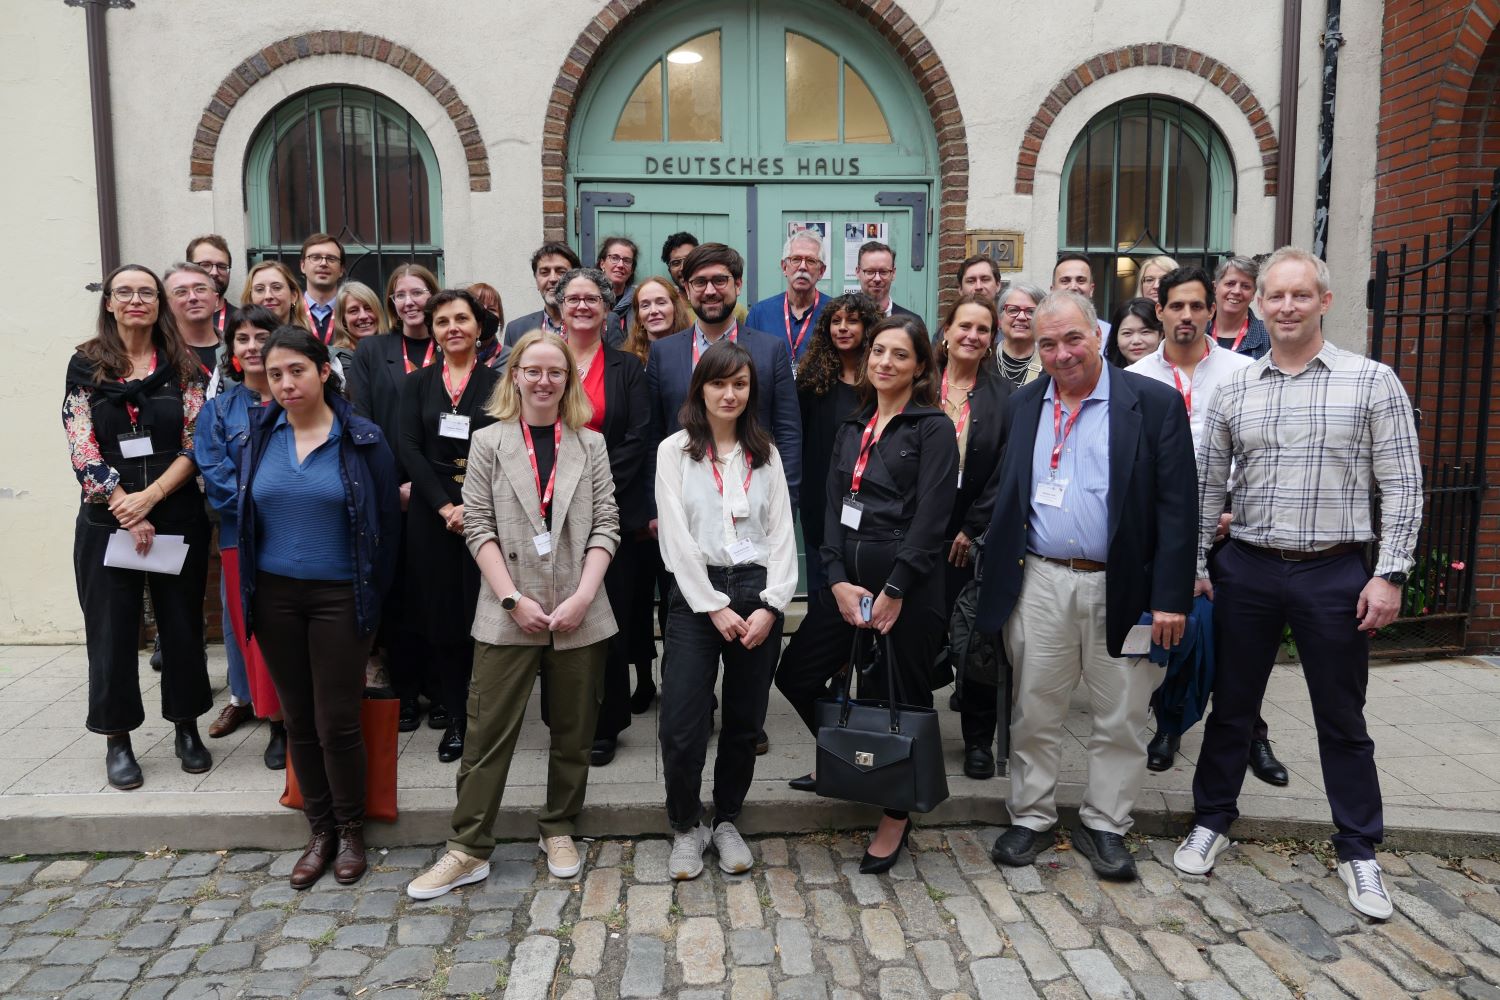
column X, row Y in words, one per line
column 1436, row 727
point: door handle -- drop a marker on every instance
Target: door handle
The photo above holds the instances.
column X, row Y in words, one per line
column 921, row 225
column 588, row 203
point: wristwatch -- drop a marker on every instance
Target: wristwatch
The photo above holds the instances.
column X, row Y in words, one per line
column 1396, row 579
column 892, row 591
column 509, row 603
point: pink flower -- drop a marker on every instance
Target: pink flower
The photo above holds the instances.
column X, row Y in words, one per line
column 1456, row 564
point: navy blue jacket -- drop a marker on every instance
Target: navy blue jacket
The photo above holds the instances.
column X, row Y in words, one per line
column 370, row 489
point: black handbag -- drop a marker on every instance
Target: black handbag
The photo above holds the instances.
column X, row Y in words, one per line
column 881, row 753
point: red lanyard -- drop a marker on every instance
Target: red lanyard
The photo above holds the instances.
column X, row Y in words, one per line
column 132, row 411
column 456, row 394
column 536, row 472
column 786, row 310
column 426, row 360
column 867, row 441
column 719, row 479
column 963, row 414
column 1060, row 431
column 1187, row 391
column 312, row 323
column 1237, row 340
column 730, row 336
column 220, row 316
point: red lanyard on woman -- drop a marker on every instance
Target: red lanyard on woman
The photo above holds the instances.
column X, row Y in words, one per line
column 867, row 441
column 730, row 336
column 131, row 410
column 453, row 394
column 1187, row 391
column 536, row 472
column 786, row 311
column 1060, row 431
column 426, row 359
column 713, row 464
column 1240, row 338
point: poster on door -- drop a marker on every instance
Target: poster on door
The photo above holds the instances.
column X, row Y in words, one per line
column 819, row 227
column 856, row 235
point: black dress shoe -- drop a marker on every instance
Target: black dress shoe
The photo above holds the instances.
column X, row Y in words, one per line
column 1106, row 852
column 120, row 764
column 1161, row 752
column 438, row 717
column 451, row 747
column 979, row 763
column 645, row 694
column 410, row 717
column 1019, row 846
column 872, row 864
column 156, row 654
column 602, row 753
column 190, row 749
column 275, row 755
column 1265, row 766
column 806, row 783
column 762, row 744
column 954, row 705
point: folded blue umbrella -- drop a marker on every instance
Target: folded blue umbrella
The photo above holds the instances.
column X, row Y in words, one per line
column 1190, row 670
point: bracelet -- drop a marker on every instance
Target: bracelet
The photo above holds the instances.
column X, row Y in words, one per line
column 160, row 490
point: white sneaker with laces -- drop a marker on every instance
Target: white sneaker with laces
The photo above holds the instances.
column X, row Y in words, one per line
column 562, row 857
column 1366, row 888
column 734, row 856
column 451, row 871
column 686, row 861
column 1196, row 854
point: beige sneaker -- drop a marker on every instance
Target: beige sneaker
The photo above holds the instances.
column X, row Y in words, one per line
column 562, row 857
column 452, row 870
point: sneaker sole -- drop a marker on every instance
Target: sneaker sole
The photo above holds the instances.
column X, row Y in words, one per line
column 1354, row 902
column 1219, row 848
column 477, row 875
column 735, row 869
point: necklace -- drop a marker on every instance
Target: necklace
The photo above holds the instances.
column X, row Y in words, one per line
column 1013, row 368
column 584, row 366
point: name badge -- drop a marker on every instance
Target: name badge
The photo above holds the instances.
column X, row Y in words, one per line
column 453, row 425
column 136, row 444
column 741, row 551
column 851, row 514
column 543, row 543
column 1137, row 641
column 1050, row 493
column 960, row 478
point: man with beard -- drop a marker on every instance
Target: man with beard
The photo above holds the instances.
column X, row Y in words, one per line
column 322, row 268
column 795, row 311
column 211, row 252
column 877, row 273
column 979, row 275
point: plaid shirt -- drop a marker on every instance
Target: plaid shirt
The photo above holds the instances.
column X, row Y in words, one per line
column 1309, row 450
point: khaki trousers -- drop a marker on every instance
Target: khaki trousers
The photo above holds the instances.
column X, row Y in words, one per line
column 1054, row 638
column 498, row 693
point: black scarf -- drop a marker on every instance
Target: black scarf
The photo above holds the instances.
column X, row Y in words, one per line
column 132, row 393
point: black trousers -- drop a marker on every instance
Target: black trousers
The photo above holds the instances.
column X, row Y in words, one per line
column 687, row 690
column 1257, row 594
column 317, row 658
column 978, row 702
column 622, row 582
column 454, row 665
column 111, row 602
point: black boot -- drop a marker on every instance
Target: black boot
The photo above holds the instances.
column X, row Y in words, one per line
column 120, row 764
column 156, row 654
column 275, row 755
column 437, row 716
column 410, row 716
column 190, row 749
column 1162, row 750
column 645, row 690
column 451, row 747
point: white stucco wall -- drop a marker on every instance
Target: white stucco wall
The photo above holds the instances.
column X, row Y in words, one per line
column 1003, row 56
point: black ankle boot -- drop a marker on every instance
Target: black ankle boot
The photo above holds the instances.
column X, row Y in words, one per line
column 275, row 755
column 119, row 763
column 190, row 749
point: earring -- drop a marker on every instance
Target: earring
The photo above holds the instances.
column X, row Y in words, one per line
column 235, row 364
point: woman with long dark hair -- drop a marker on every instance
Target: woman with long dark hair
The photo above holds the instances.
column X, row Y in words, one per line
column 725, row 526
column 132, row 400
column 319, row 522
column 1135, row 332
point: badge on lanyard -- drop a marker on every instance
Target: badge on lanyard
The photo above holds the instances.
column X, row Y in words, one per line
column 543, row 543
column 453, row 425
column 853, row 510
column 741, row 550
column 136, row 444
column 1049, row 493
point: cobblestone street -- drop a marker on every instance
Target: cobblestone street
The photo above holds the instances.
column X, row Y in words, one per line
column 803, row 924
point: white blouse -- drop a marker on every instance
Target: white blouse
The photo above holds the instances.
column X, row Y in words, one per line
column 697, row 527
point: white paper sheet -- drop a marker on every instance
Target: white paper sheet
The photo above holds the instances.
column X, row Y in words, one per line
column 166, row 556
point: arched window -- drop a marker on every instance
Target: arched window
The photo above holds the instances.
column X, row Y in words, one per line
column 689, row 76
column 1147, row 176
column 826, row 99
column 345, row 161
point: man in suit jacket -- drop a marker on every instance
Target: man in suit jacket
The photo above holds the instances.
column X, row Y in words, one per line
column 549, row 263
column 712, row 274
column 1094, row 521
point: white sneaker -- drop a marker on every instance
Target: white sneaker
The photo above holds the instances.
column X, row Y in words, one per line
column 562, row 857
column 734, row 856
column 1366, row 888
column 687, row 853
column 1196, row 854
column 451, row 871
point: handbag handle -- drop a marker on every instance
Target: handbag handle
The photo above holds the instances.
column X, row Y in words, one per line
column 890, row 680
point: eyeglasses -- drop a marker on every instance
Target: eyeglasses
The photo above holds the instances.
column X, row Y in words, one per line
column 183, row 291
column 1014, row 311
column 719, row 281
column 418, row 297
column 614, row 258
column 323, row 258
column 209, row 265
column 554, row 375
column 807, row 262
column 126, row 294
column 275, row 288
column 583, row 300
column 876, row 272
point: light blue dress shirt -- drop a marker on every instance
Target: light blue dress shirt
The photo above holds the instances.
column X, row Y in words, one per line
column 1079, row 529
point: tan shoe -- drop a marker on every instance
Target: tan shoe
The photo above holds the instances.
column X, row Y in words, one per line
column 562, row 857
column 451, row 871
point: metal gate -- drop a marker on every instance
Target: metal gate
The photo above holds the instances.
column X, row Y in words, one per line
column 1433, row 320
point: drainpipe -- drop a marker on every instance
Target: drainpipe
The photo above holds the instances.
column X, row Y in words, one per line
column 1332, row 42
column 104, row 134
column 1286, row 168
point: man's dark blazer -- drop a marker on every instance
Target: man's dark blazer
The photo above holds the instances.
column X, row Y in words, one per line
column 900, row 310
column 375, row 386
column 1153, row 505
column 669, row 370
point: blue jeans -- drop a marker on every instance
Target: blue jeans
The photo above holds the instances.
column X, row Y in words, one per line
column 239, row 684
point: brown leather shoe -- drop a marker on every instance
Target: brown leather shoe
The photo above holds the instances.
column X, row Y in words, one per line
column 314, row 861
column 349, row 865
column 231, row 718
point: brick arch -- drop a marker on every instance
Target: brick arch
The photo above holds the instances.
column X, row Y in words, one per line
column 893, row 24
column 1155, row 54
column 318, row 43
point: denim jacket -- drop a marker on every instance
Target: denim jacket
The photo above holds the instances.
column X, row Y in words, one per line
column 218, row 440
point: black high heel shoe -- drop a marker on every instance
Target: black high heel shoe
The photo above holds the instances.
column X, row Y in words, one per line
column 873, row 865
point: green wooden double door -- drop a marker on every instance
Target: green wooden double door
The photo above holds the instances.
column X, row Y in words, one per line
column 756, row 220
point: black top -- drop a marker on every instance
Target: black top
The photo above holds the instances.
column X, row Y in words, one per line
column 542, row 444
column 821, row 417
column 436, row 463
column 981, row 464
column 626, row 429
column 374, row 386
column 207, row 356
column 416, row 350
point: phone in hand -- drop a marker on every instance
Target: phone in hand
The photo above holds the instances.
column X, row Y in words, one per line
column 866, row 607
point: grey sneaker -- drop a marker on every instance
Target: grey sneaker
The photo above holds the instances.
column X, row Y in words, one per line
column 687, row 853
column 1366, row 888
column 1196, row 854
column 734, row 856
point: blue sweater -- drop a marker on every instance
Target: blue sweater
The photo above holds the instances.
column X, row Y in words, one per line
column 302, row 510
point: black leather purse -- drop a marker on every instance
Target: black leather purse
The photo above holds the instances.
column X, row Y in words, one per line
column 881, row 753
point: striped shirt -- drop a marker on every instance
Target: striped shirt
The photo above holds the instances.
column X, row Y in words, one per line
column 1310, row 449
column 1079, row 529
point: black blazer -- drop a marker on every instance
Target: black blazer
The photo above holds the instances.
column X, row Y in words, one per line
column 626, row 429
column 1153, row 505
column 375, row 387
column 981, row 465
column 435, row 463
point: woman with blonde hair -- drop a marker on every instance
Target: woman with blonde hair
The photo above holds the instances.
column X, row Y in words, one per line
column 540, row 520
column 357, row 313
column 1151, row 273
column 271, row 284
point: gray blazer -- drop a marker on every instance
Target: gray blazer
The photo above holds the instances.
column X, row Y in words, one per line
column 501, row 504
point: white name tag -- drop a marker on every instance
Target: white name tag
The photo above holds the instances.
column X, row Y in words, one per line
column 453, row 425
column 741, row 551
column 135, row 445
column 543, row 543
column 1137, row 641
column 1050, row 492
column 960, row 478
column 852, row 512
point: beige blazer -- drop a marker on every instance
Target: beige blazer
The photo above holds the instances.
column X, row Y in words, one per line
column 501, row 504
